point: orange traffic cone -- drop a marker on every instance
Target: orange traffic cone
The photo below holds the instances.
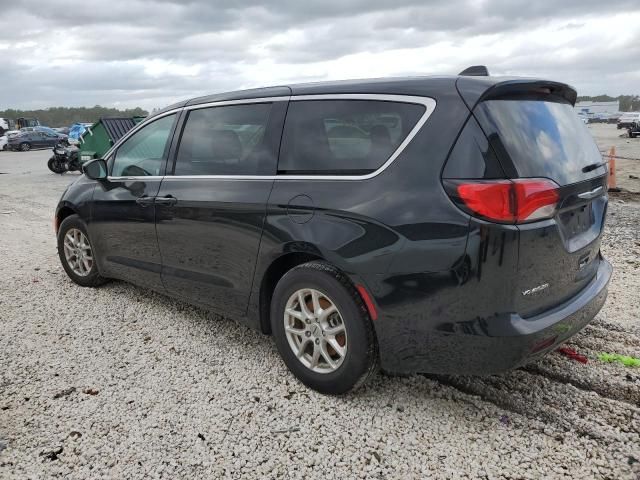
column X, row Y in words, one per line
column 613, row 186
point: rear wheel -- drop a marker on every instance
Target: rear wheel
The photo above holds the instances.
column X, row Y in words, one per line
column 55, row 166
column 322, row 329
column 25, row 146
column 76, row 253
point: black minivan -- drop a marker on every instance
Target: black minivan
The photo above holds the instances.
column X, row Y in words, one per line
column 429, row 224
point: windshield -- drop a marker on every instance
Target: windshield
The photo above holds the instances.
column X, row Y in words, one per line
column 535, row 138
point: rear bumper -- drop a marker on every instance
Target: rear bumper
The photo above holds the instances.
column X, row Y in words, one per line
column 493, row 345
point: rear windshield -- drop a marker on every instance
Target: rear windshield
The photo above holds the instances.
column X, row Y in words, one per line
column 535, row 138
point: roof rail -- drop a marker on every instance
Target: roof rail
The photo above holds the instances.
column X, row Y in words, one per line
column 475, row 71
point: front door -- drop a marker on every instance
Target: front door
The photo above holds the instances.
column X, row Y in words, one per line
column 38, row 139
column 211, row 211
column 122, row 227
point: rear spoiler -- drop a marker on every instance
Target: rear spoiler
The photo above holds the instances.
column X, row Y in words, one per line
column 478, row 89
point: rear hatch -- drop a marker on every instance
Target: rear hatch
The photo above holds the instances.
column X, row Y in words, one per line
column 537, row 135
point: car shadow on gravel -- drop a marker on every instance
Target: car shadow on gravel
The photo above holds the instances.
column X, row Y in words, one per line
column 597, row 400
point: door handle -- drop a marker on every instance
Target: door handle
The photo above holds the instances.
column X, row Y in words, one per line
column 145, row 201
column 168, row 200
column 591, row 194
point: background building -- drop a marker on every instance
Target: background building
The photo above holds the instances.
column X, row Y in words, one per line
column 588, row 107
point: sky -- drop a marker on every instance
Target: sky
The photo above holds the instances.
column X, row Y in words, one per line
column 151, row 53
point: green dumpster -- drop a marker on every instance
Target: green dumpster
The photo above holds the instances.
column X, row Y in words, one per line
column 103, row 134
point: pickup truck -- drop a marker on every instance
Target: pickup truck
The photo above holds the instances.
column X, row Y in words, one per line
column 628, row 119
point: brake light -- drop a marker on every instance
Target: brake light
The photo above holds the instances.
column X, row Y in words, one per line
column 507, row 201
column 535, row 199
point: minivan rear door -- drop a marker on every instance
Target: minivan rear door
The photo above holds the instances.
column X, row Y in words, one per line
column 538, row 135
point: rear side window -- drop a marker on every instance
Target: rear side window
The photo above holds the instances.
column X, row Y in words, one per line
column 343, row 136
column 227, row 140
column 535, row 138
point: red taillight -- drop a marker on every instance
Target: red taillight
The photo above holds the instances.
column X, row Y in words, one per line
column 509, row 201
column 535, row 199
column 491, row 199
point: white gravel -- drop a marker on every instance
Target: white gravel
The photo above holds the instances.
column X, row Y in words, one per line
column 118, row 382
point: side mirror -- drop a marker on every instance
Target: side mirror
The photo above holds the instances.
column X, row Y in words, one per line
column 95, row 169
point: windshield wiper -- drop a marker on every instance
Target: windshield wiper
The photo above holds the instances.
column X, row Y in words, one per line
column 593, row 166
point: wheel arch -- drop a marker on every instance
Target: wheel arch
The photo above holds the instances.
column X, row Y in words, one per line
column 274, row 272
column 62, row 213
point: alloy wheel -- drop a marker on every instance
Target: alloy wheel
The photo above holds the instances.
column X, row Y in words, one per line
column 315, row 330
column 77, row 252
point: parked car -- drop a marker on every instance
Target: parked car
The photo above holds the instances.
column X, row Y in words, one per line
column 455, row 242
column 628, row 119
column 6, row 124
column 11, row 133
column 3, row 142
column 614, row 117
column 29, row 138
column 63, row 130
column 48, row 130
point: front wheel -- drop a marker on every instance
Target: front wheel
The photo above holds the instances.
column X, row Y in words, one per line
column 76, row 253
column 322, row 329
column 25, row 146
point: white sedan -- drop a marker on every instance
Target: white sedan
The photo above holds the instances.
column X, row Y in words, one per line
column 3, row 142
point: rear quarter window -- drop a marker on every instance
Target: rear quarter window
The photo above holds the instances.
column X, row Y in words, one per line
column 344, row 136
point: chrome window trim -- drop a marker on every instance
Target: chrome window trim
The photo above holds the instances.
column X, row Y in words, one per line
column 133, row 179
column 244, row 101
column 428, row 102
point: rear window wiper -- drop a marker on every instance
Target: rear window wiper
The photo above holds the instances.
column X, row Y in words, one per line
column 593, row 166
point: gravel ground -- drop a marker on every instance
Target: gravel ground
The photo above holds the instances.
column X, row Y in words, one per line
column 118, row 382
column 627, row 150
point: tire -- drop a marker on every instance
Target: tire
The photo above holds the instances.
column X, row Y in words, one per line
column 360, row 358
column 55, row 166
column 90, row 277
column 25, row 146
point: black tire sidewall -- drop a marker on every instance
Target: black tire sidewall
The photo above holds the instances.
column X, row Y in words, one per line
column 25, row 146
column 91, row 280
column 360, row 351
column 55, row 166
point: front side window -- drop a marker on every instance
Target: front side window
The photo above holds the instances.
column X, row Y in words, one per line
column 145, row 151
column 226, row 140
column 344, row 136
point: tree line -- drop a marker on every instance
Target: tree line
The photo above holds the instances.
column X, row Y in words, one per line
column 66, row 116
column 628, row 103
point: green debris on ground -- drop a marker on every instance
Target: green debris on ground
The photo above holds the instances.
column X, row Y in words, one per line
column 626, row 360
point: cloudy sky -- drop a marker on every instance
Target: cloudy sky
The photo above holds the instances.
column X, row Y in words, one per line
column 151, row 53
